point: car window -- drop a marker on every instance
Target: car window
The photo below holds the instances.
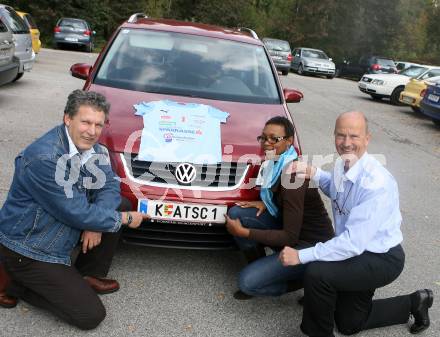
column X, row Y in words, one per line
column 188, row 65
column 277, row 45
column 431, row 73
column 386, row 62
column 15, row 22
column 3, row 27
column 316, row 54
column 30, row 21
column 413, row 71
column 77, row 24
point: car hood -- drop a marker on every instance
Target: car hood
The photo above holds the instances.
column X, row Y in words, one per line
column 244, row 124
column 390, row 78
column 315, row 60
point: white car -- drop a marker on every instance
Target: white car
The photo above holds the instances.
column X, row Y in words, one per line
column 391, row 85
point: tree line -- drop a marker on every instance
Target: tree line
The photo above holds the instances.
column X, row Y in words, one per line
column 345, row 29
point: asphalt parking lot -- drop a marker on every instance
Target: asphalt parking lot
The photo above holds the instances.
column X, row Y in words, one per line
column 166, row 292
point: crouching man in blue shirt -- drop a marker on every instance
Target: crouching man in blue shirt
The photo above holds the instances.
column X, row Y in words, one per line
column 343, row 273
column 64, row 192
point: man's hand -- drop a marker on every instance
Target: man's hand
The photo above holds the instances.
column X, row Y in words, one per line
column 289, row 257
column 138, row 217
column 235, row 227
column 259, row 205
column 90, row 240
column 302, row 169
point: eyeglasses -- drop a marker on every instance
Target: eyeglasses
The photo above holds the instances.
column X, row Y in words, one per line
column 271, row 139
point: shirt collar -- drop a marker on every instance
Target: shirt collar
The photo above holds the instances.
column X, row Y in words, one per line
column 73, row 151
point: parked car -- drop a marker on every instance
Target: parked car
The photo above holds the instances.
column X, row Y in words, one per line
column 430, row 104
column 366, row 65
column 402, row 65
column 22, row 37
column 390, row 86
column 73, row 32
column 414, row 92
column 168, row 65
column 9, row 64
column 280, row 53
column 312, row 61
column 35, row 32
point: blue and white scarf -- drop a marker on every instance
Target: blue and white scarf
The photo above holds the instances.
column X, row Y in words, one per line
column 271, row 173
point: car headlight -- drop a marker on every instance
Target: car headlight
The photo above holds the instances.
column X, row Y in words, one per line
column 377, row 82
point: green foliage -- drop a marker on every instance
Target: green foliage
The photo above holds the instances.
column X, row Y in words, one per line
column 402, row 29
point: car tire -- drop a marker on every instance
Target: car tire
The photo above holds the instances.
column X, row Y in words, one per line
column 330, row 77
column 376, row 97
column 19, row 75
column 301, row 70
column 89, row 47
column 284, row 72
column 395, row 96
column 416, row 109
column 337, row 72
column 436, row 122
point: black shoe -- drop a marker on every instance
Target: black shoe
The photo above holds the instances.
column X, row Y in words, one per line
column 421, row 301
column 241, row 296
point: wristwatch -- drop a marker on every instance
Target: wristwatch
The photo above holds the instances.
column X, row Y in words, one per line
column 129, row 218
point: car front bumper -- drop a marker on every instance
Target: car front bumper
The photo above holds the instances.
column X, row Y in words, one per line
column 369, row 89
column 318, row 70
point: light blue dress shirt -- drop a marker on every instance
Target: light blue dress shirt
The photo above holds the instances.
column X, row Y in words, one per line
column 366, row 214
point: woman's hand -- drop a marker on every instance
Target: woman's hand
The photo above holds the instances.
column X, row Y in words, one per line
column 235, row 227
column 255, row 204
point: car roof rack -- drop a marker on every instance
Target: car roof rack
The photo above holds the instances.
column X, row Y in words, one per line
column 133, row 18
column 248, row 30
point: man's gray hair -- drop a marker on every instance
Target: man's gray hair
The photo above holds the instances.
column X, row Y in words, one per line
column 78, row 98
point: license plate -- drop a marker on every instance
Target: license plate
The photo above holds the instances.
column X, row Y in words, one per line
column 173, row 211
column 433, row 97
column 408, row 100
column 362, row 85
column 71, row 39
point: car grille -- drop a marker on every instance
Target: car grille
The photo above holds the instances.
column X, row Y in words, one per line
column 224, row 174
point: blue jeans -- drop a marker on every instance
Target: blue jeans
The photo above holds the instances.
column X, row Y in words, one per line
column 249, row 219
column 266, row 276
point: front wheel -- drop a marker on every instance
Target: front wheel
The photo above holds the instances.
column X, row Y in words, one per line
column 300, row 70
column 19, row 75
column 284, row 72
column 330, row 77
column 395, row 96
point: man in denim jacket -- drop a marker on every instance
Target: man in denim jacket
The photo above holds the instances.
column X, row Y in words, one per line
column 64, row 191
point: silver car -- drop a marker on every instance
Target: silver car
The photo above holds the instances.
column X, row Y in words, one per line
column 73, row 32
column 22, row 37
column 8, row 63
column 312, row 61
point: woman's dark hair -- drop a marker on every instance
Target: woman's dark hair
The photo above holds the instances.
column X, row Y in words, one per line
column 282, row 121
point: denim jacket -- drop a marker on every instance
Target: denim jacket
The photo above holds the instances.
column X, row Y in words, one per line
column 53, row 198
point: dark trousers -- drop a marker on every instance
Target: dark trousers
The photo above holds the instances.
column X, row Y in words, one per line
column 341, row 292
column 61, row 289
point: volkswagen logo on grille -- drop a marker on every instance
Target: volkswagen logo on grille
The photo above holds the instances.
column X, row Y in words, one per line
column 185, row 173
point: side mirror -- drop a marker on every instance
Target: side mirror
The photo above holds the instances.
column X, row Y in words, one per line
column 81, row 70
column 292, row 95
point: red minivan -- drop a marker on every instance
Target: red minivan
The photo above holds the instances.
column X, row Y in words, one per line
column 152, row 62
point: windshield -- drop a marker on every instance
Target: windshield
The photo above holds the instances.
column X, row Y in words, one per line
column 315, row 54
column 188, row 65
column 386, row 63
column 277, row 45
column 15, row 22
column 77, row 24
column 413, row 71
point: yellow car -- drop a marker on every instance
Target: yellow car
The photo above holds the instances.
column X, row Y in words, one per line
column 414, row 91
column 36, row 43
